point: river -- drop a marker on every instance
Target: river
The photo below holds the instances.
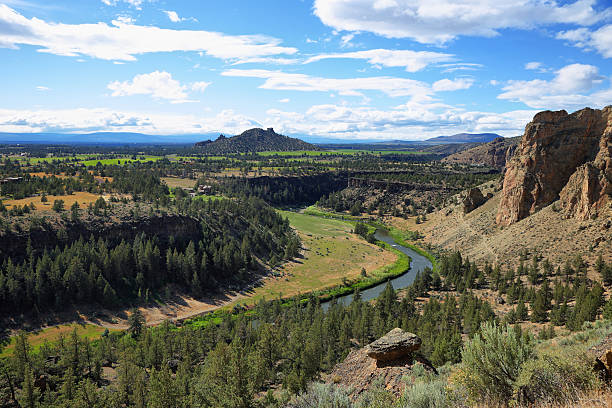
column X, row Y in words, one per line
column 417, row 264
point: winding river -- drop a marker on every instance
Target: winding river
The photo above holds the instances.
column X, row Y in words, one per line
column 418, row 263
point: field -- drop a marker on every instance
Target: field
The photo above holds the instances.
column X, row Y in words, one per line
column 83, row 198
column 51, row 334
column 332, row 254
column 174, row 182
column 335, row 152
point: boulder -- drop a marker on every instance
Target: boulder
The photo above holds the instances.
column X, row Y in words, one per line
column 473, row 200
column 394, row 345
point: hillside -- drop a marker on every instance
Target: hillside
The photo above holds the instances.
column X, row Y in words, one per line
column 254, row 140
column 555, row 199
column 492, row 154
column 465, row 138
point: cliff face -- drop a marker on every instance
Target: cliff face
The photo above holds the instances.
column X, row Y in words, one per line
column 560, row 155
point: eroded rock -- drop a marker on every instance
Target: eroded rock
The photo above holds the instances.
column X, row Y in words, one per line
column 473, row 200
column 557, row 152
column 394, row 345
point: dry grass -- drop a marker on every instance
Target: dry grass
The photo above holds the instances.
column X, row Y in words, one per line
column 83, row 198
column 174, row 182
column 51, row 334
column 546, row 232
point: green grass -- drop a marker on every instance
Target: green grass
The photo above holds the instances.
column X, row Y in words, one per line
column 334, row 258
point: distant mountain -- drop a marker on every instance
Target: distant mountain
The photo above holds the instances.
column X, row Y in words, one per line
column 465, row 138
column 254, row 140
column 119, row 138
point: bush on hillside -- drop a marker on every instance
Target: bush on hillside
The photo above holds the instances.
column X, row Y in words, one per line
column 555, row 377
column 491, row 363
column 425, row 395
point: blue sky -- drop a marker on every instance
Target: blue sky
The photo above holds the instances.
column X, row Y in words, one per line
column 345, row 69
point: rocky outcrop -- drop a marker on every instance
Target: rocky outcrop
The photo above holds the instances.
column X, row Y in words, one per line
column 388, row 360
column 493, row 154
column 394, row 345
column 563, row 156
column 473, row 200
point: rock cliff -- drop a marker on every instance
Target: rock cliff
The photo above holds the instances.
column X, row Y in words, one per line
column 560, row 156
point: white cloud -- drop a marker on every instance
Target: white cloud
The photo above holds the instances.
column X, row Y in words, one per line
column 412, row 120
column 345, row 40
column 267, row 60
column 412, row 61
column 600, row 40
column 42, row 88
column 102, row 119
column 439, row 21
column 159, row 85
column 533, row 65
column 284, row 100
column 452, row 85
column 199, row 86
column 124, row 42
column 568, row 89
column 134, row 3
column 174, row 17
column 125, row 19
column 392, row 86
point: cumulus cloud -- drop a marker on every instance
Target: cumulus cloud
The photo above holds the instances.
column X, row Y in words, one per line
column 569, row 88
column 392, row 86
column 413, row 120
column 412, row 61
column 440, row 21
column 42, row 88
column 124, row 42
column 599, row 40
column 159, row 85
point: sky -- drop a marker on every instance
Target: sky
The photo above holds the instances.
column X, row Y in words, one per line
column 335, row 69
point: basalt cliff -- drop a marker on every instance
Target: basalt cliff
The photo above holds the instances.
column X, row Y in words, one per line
column 561, row 156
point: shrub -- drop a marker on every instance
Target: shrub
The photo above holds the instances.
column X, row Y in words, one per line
column 425, row 395
column 555, row 378
column 322, row 396
column 491, row 362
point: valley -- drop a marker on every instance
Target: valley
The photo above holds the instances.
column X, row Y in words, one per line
column 234, row 252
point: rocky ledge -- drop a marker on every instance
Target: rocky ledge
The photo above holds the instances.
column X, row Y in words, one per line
column 388, row 360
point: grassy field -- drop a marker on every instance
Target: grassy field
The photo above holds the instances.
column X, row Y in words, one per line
column 174, row 182
column 83, row 198
column 333, row 255
column 51, row 334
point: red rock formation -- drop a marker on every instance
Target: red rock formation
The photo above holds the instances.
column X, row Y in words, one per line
column 555, row 148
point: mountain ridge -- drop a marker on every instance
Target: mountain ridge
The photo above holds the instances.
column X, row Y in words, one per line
column 465, row 138
column 254, row 140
